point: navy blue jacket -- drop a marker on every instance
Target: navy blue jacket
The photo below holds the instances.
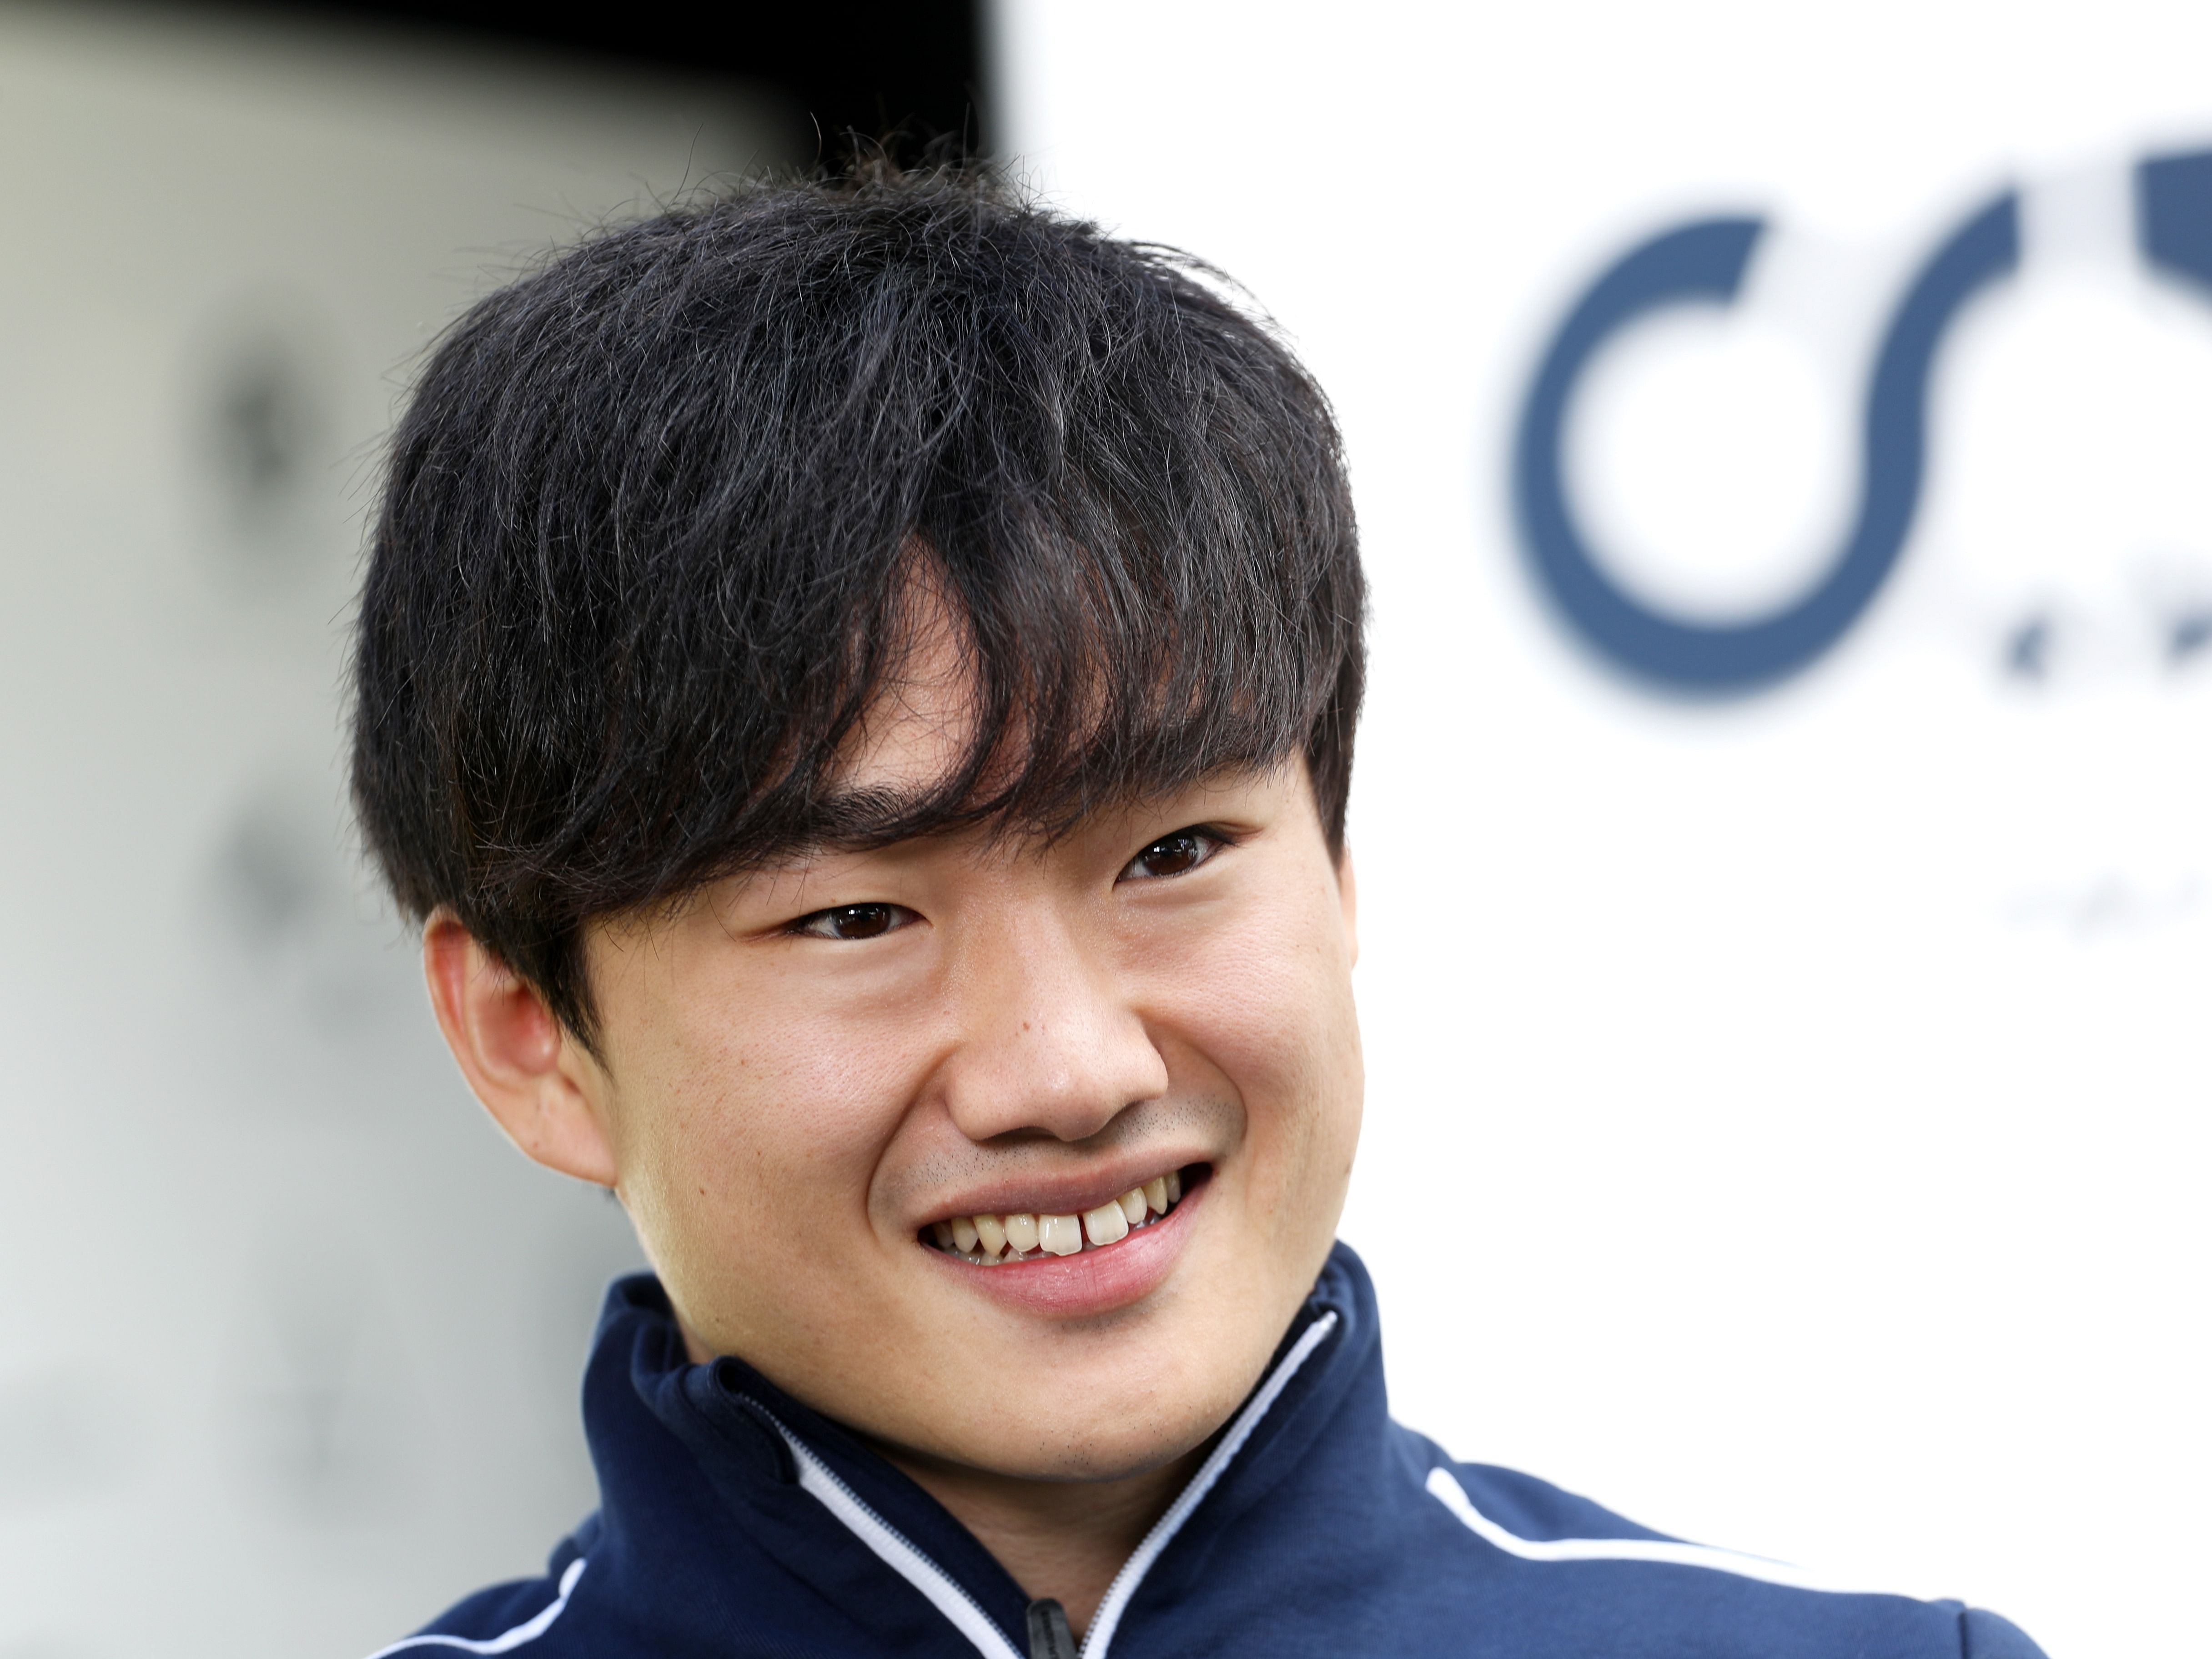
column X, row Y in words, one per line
column 734, row 1522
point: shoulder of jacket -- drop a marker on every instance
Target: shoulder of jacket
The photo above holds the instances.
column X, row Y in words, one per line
column 501, row 1617
column 1535, row 1521
column 1533, row 1509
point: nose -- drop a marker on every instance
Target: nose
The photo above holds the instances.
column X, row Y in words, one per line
column 1047, row 1039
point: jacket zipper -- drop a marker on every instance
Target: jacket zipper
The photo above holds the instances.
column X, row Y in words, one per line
column 1050, row 1637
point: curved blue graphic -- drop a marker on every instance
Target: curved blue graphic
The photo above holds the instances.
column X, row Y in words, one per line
column 1704, row 263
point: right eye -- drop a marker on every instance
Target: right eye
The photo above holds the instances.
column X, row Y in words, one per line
column 855, row 921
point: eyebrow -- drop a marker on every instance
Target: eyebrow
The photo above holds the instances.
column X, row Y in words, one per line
column 871, row 817
column 865, row 819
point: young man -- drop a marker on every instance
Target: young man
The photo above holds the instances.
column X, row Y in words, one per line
column 858, row 683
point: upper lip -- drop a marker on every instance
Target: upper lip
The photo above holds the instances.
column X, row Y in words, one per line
column 1071, row 1193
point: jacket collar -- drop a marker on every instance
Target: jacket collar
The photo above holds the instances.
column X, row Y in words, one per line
column 835, row 1514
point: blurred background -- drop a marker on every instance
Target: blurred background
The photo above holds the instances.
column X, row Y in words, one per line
column 1787, row 1108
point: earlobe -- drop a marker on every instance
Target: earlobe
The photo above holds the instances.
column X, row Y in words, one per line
column 525, row 1069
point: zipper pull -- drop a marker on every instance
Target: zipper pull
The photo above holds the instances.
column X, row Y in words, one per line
column 1049, row 1636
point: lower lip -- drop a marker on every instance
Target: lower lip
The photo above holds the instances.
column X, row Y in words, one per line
column 1092, row 1281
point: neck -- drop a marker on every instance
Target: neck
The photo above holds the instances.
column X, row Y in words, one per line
column 1065, row 1539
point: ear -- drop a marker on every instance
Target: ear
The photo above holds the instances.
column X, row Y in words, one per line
column 1347, row 895
column 531, row 1074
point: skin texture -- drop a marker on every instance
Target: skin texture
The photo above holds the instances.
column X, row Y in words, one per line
column 783, row 1114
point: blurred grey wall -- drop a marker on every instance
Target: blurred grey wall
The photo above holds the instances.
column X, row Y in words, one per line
column 291, row 1336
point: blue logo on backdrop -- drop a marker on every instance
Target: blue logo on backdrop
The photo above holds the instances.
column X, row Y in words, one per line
column 1704, row 263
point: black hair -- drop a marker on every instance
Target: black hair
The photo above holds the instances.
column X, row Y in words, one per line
column 657, row 515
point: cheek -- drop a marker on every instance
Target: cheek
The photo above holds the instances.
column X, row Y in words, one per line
column 759, row 1130
column 1268, row 1003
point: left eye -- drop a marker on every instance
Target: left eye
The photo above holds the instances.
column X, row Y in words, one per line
column 1171, row 855
column 855, row 921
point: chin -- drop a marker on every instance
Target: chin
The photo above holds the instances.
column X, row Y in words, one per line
column 1123, row 1420
column 1082, row 1449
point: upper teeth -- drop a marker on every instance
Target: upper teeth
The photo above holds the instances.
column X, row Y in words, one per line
column 989, row 1240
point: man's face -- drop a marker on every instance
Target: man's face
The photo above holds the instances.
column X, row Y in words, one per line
column 808, row 1070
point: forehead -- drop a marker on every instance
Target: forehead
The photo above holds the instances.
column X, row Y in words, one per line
column 924, row 725
column 1010, row 705
column 920, row 727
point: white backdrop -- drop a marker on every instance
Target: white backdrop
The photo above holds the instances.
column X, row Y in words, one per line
column 1786, row 1115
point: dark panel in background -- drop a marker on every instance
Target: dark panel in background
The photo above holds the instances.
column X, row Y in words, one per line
column 909, row 76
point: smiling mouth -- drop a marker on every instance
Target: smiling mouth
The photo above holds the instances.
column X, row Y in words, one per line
column 997, row 1241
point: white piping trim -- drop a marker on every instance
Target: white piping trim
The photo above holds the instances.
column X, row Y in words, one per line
column 1108, row 1619
column 1447, row 1491
column 891, row 1547
column 529, row 1630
